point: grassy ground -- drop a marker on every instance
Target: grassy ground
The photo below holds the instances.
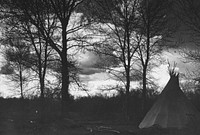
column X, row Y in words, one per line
column 29, row 117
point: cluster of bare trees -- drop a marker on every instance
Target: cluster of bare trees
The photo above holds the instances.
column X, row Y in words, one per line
column 133, row 32
column 189, row 15
column 41, row 35
column 45, row 26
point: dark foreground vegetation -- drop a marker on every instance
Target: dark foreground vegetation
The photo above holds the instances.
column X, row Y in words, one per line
column 86, row 116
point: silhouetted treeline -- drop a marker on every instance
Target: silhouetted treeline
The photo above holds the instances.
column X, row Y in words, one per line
column 84, row 108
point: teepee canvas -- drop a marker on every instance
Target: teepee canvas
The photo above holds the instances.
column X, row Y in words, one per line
column 172, row 109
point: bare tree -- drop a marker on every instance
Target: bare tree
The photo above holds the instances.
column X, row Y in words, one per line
column 114, row 30
column 16, row 54
column 130, row 31
column 188, row 13
column 154, row 28
column 39, row 48
column 42, row 53
column 53, row 19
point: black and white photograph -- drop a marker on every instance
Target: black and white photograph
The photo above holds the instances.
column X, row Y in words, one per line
column 99, row 67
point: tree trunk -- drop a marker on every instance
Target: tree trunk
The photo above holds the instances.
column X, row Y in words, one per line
column 21, row 82
column 144, row 92
column 64, row 70
column 41, row 78
column 127, row 102
column 65, row 86
column 42, row 88
column 147, row 59
column 44, row 70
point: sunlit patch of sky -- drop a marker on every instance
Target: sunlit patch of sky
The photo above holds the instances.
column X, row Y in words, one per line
column 106, row 87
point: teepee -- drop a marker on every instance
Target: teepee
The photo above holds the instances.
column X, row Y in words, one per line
column 172, row 109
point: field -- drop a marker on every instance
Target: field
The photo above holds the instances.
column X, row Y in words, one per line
column 31, row 117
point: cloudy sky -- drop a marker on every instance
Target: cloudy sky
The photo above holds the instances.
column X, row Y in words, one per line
column 93, row 78
column 97, row 79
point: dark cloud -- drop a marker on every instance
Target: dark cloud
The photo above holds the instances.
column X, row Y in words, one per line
column 89, row 60
column 6, row 70
column 88, row 65
column 89, row 70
